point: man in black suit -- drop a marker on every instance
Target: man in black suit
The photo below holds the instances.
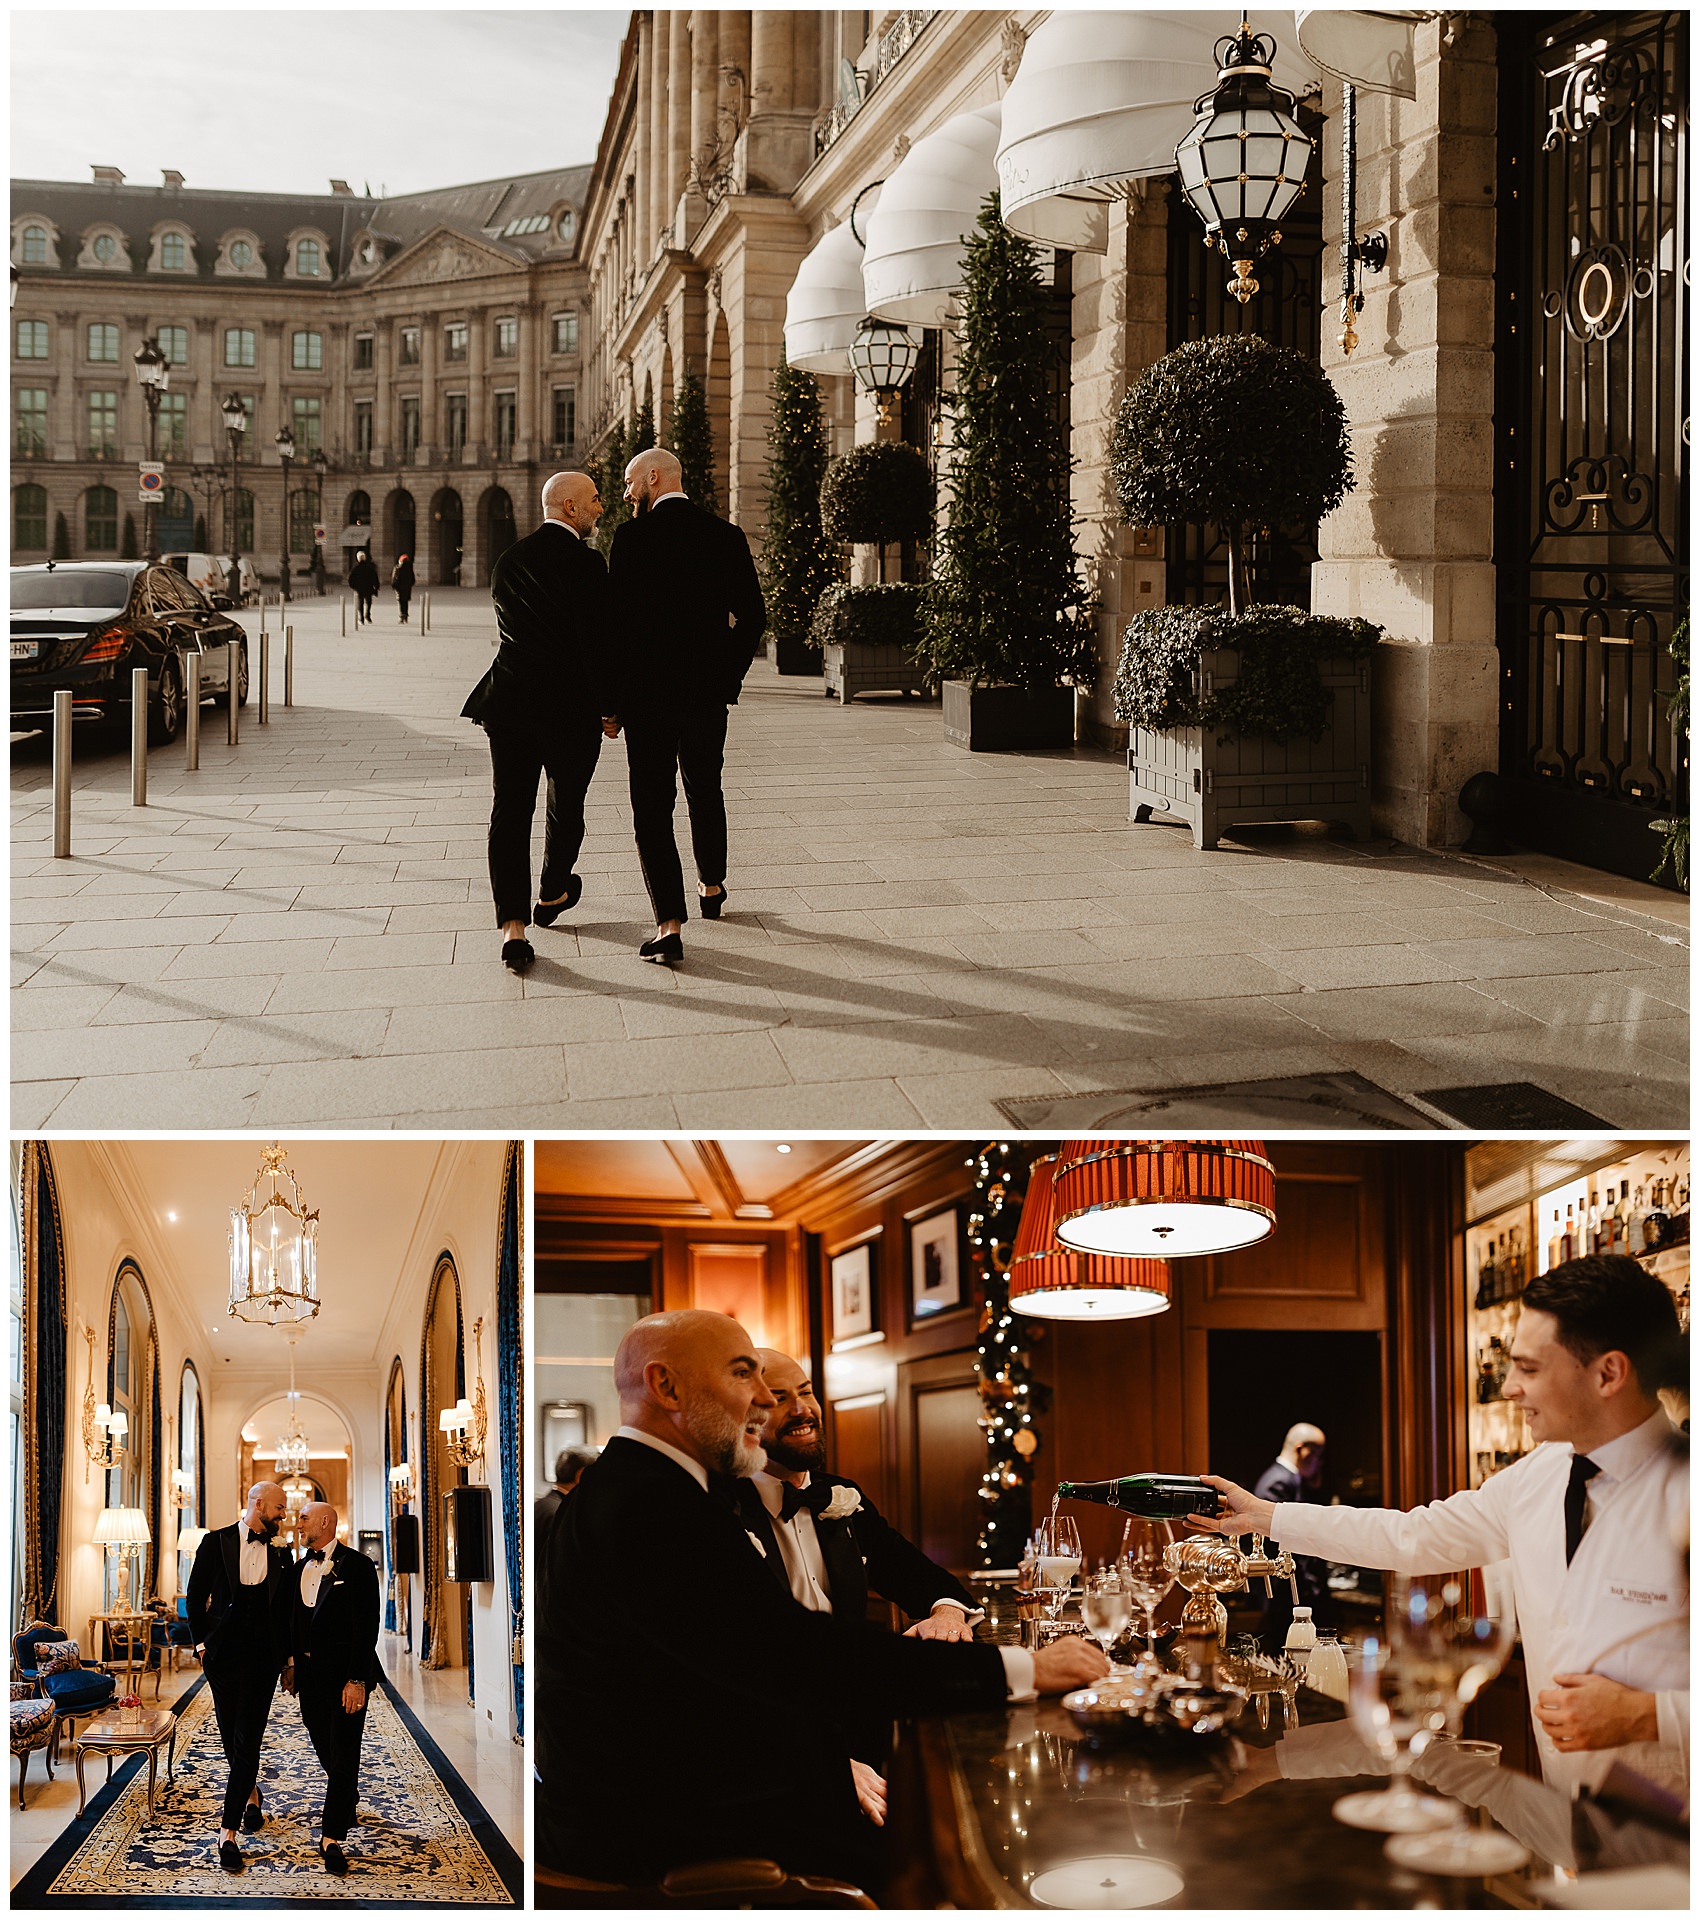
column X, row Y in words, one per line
column 542, row 703
column 1296, row 1474
column 333, row 1664
column 690, row 610
column 570, row 1462
column 667, row 1654
column 238, row 1604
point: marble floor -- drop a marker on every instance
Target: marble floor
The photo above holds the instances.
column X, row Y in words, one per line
column 492, row 1766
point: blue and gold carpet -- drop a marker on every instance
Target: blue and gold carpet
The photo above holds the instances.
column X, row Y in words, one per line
column 422, row 1838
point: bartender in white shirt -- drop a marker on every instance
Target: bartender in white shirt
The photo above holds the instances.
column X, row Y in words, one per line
column 1593, row 1522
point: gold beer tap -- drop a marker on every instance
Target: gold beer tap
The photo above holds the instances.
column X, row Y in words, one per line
column 1261, row 1564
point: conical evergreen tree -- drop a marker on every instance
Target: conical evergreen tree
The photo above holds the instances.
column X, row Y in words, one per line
column 1005, row 602
column 61, row 538
column 129, row 550
column 692, row 440
column 200, row 533
column 617, row 449
column 799, row 563
column 643, row 431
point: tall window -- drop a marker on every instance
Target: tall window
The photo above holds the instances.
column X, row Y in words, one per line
column 173, row 253
column 301, row 519
column 362, row 353
column 454, row 423
column 306, row 408
column 239, row 346
column 103, row 340
column 244, row 521
column 566, row 333
column 174, row 344
column 103, row 426
column 173, row 422
column 505, row 415
column 30, row 412
column 100, row 520
column 306, row 352
column 189, row 1443
column 566, row 416
column 308, row 254
column 409, row 428
column 409, row 355
column 29, row 518
column 507, row 338
column 363, row 428
column 454, row 340
column 35, row 246
column 32, row 339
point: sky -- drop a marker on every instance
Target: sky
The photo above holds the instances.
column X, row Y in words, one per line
column 401, row 99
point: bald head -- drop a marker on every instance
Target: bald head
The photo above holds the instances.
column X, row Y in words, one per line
column 1302, row 1450
column 651, row 473
column 572, row 499
column 692, row 1379
column 266, row 1507
column 318, row 1523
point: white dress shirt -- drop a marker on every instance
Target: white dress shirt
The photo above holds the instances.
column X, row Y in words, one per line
column 254, row 1558
column 312, row 1572
column 1619, row 1609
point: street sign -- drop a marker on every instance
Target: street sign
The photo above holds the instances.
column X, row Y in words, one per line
column 150, row 480
column 319, row 535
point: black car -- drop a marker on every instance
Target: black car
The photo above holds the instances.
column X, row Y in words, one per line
column 88, row 624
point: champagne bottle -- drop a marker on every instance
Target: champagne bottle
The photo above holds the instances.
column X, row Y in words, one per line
column 1149, row 1496
column 1485, row 1294
column 1553, row 1243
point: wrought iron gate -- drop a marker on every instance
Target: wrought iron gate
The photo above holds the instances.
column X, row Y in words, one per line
column 1592, row 427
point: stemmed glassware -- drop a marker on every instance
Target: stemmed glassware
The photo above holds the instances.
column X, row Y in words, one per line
column 1107, row 1608
column 1396, row 1712
column 1145, row 1571
column 1058, row 1543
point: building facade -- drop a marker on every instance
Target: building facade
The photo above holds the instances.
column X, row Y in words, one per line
column 427, row 345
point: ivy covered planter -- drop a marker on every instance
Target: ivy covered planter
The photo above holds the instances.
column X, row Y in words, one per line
column 868, row 639
column 1241, row 718
column 1007, row 719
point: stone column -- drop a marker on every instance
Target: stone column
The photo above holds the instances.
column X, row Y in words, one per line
column 784, row 58
column 529, row 431
column 734, row 52
column 383, row 399
column 430, row 401
column 771, row 74
column 678, row 110
column 475, row 395
column 705, row 82
column 641, row 240
column 659, row 83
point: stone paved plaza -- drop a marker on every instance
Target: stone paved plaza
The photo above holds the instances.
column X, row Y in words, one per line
column 300, row 934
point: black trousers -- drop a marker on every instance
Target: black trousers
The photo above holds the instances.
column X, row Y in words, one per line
column 242, row 1700
column 662, row 748
column 362, row 606
column 336, row 1737
column 403, row 598
column 518, row 755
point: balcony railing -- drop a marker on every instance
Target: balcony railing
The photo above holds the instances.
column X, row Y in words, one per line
column 894, row 43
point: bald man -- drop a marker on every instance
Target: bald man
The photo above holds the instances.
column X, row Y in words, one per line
column 333, row 1664
column 238, row 1603
column 543, row 703
column 690, row 611
column 1296, row 1474
column 688, row 1707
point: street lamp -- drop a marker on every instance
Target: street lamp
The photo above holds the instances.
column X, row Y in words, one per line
column 286, row 453
column 235, row 425
column 883, row 357
column 153, row 370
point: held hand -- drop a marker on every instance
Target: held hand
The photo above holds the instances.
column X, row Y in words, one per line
column 287, row 1681
column 1245, row 1512
column 943, row 1623
column 353, row 1696
column 1067, row 1663
column 611, row 726
column 870, row 1791
column 1586, row 1710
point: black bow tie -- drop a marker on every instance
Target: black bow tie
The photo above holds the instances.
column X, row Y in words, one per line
column 315, row 1553
column 809, row 1499
column 256, row 1539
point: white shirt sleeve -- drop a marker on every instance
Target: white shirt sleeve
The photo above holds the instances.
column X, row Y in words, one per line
column 1673, row 1723
column 1464, row 1530
column 1018, row 1673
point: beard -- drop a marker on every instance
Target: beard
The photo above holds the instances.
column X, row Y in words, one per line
column 807, row 1456
column 265, row 1526
column 640, row 503
column 720, row 1438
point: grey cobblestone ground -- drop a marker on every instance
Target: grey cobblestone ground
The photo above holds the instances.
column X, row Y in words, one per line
column 300, row 934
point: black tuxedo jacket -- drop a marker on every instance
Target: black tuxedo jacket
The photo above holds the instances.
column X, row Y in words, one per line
column 862, row 1553
column 555, row 660
column 341, row 1630
column 688, row 603
column 213, row 1582
column 665, row 1649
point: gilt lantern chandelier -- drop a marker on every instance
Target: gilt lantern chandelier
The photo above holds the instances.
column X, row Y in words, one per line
column 274, row 1248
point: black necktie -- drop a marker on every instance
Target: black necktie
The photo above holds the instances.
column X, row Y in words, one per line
column 1582, row 1470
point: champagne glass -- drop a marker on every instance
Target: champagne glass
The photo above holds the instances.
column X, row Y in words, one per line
column 1107, row 1608
column 1396, row 1710
column 1058, row 1542
column 1145, row 1569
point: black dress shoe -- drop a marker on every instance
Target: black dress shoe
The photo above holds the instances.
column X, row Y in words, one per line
column 709, row 904
column 517, row 955
column 666, row 949
column 336, row 1861
column 253, row 1817
column 230, row 1856
column 547, row 912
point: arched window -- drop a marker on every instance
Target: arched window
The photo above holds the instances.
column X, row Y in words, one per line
column 308, row 255
column 241, row 254
column 358, row 512
column 100, row 520
column 35, row 246
column 190, row 1449
column 176, row 524
column 105, row 249
column 29, row 519
column 244, row 521
column 173, row 252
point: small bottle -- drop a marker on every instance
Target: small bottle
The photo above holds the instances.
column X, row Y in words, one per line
column 1487, row 1386
column 1567, row 1240
column 1658, row 1218
column 1301, row 1635
column 1554, row 1241
column 1327, row 1672
column 1592, row 1230
column 1519, row 1261
column 1635, row 1241
column 1150, row 1496
column 1485, row 1295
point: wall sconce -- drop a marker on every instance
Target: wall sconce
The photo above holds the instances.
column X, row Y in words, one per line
column 1371, row 250
column 467, row 1422
column 883, row 357
column 103, row 1430
column 401, row 1486
column 182, row 1486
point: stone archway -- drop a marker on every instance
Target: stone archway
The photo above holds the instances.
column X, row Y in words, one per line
column 448, row 535
column 497, row 529
column 401, row 524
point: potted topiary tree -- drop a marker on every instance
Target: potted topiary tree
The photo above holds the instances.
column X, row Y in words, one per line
column 1007, row 632
column 691, row 437
column 1258, row 713
column 878, row 494
column 798, row 562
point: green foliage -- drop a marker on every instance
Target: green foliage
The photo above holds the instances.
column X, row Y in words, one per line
column 609, row 469
column 128, row 550
column 877, row 494
column 1674, row 858
column 867, row 616
column 692, row 439
column 643, row 431
column 1278, row 692
column 61, row 538
column 1006, row 605
column 798, row 562
column 200, row 536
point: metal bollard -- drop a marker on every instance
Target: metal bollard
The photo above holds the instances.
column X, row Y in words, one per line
column 231, row 725
column 265, row 677
column 262, row 613
column 289, row 666
column 139, row 736
column 425, row 614
column 192, row 716
column 345, row 616
column 62, row 774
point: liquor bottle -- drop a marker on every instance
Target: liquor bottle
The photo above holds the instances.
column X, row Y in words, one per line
column 1591, row 1232
column 1519, row 1261
column 1487, row 1385
column 1635, row 1240
column 1679, row 1210
column 1150, row 1496
column 1567, row 1240
column 1657, row 1226
column 1485, row 1295
column 1554, row 1242
column 1608, row 1222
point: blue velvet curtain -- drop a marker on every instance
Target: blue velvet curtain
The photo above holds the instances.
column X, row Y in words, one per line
column 46, row 1386
column 510, row 1393
column 150, row 1586
column 389, row 1528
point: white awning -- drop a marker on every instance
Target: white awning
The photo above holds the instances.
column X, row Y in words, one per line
column 826, row 303
column 1101, row 99
column 1376, row 51
column 913, row 264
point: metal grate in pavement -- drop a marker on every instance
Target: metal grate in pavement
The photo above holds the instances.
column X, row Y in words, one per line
column 1303, row 1102
column 1514, row 1106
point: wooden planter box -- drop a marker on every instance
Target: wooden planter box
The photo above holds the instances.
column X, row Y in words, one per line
column 1005, row 720
column 1216, row 780
column 869, row 666
column 793, row 656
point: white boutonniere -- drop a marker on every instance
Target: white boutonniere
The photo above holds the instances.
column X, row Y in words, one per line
column 755, row 1542
column 844, row 1502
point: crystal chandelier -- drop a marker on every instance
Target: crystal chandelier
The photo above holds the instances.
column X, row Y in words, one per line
column 274, row 1248
column 292, row 1453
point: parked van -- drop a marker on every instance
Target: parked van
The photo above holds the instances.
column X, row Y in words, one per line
column 211, row 573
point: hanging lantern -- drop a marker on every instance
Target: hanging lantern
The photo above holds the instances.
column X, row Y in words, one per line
column 1243, row 163
column 274, row 1248
column 1059, row 1284
column 883, row 357
column 1163, row 1197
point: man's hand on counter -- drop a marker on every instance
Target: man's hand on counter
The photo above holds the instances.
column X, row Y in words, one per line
column 1245, row 1512
column 870, row 1791
column 943, row 1623
column 1067, row 1663
column 1585, row 1710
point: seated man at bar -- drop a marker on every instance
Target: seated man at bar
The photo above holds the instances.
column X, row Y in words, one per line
column 1295, row 1474
column 670, row 1660
column 1593, row 1521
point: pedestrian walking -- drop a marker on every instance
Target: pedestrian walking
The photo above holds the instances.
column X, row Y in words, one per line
column 363, row 579
column 402, row 581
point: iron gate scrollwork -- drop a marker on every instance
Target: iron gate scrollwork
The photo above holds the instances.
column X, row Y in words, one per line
column 1592, row 495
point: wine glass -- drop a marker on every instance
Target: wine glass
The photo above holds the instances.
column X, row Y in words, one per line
column 1106, row 1608
column 1396, row 1711
column 1145, row 1570
column 1058, row 1543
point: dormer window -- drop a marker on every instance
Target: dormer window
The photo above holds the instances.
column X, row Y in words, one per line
column 308, row 255
column 566, row 228
column 173, row 252
column 105, row 248
column 241, row 254
column 35, row 246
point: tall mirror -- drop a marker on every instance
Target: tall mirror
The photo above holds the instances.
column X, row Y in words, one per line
column 395, row 1455
column 132, row 1481
column 442, row 1381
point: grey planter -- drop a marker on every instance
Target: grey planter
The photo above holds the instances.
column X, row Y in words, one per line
column 1006, row 720
column 1215, row 780
column 869, row 666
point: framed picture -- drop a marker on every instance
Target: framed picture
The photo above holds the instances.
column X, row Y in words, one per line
column 371, row 1543
column 935, row 1267
column 853, row 1278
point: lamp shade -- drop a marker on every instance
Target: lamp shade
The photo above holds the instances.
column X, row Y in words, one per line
column 121, row 1527
column 1057, row 1284
column 912, row 269
column 1372, row 50
column 1163, row 1197
column 826, row 303
column 190, row 1538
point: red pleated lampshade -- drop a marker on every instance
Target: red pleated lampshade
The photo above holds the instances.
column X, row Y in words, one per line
column 1059, row 1284
column 1163, row 1197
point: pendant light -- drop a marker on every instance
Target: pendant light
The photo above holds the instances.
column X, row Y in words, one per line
column 1163, row 1198
column 1055, row 1283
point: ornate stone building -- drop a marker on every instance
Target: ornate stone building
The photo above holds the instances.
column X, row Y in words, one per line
column 428, row 345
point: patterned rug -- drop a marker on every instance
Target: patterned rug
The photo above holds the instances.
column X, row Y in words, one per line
column 421, row 1839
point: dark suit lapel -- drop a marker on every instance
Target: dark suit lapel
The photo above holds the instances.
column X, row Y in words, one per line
column 758, row 1521
column 844, row 1569
column 232, row 1545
